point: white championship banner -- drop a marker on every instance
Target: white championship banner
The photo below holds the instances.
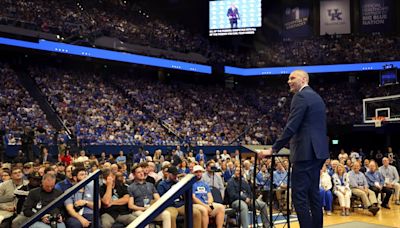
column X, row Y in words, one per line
column 335, row 17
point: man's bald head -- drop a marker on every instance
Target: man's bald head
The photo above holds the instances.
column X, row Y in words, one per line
column 301, row 74
column 298, row 79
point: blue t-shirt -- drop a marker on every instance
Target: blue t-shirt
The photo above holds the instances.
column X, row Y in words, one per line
column 200, row 190
column 87, row 194
column 121, row 159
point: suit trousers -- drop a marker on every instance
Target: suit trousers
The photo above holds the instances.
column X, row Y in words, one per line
column 305, row 192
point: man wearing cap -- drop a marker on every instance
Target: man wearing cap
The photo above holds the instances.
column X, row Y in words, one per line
column 28, row 169
column 203, row 200
column 178, row 207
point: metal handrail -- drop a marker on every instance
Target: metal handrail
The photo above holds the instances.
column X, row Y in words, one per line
column 55, row 203
column 183, row 187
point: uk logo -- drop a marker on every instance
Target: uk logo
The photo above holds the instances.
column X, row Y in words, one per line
column 335, row 14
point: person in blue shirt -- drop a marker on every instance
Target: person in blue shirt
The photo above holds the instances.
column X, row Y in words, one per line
column 280, row 181
column 230, row 170
column 359, row 187
column 376, row 183
column 203, row 200
column 80, row 205
column 121, row 158
column 201, row 156
column 68, row 182
column 183, row 168
column 263, row 179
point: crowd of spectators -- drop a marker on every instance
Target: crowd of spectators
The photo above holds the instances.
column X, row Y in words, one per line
column 128, row 186
column 131, row 23
column 137, row 110
column 95, row 112
column 328, row 49
column 19, row 113
column 202, row 114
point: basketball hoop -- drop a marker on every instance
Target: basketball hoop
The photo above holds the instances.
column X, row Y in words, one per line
column 378, row 120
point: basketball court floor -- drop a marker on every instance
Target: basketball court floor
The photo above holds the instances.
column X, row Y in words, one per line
column 360, row 219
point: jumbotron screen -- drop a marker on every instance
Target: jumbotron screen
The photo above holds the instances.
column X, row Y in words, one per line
column 239, row 17
column 388, row 77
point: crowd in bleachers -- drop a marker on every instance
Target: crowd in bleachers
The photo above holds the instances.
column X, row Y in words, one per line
column 19, row 113
column 134, row 110
column 130, row 23
column 129, row 185
column 95, row 111
column 203, row 115
column 329, row 49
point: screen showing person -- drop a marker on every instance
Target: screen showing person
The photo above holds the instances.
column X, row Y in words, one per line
column 234, row 18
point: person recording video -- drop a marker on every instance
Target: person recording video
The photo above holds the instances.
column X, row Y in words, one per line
column 233, row 15
column 212, row 179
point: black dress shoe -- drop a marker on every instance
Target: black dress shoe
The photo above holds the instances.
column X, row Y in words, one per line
column 373, row 210
column 385, row 206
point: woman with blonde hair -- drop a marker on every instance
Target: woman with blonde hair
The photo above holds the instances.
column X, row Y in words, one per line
column 342, row 188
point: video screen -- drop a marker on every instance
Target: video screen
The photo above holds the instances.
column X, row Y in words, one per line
column 229, row 17
column 388, row 77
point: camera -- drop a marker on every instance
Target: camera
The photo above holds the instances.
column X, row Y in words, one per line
column 78, row 208
column 53, row 219
column 214, row 169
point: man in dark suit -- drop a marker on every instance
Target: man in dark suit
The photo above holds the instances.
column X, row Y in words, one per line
column 233, row 15
column 306, row 130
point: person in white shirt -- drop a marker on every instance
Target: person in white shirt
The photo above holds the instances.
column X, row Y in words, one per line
column 82, row 157
column 325, row 186
column 225, row 155
column 391, row 176
column 342, row 188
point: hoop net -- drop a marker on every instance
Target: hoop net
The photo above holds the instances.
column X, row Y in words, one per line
column 378, row 120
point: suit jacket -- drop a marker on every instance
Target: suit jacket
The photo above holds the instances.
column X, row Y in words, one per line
column 234, row 13
column 306, row 128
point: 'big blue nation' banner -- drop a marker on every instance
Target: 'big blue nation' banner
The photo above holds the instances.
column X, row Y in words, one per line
column 296, row 22
column 377, row 15
column 335, row 17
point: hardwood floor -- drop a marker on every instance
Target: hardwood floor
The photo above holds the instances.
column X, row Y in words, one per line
column 387, row 217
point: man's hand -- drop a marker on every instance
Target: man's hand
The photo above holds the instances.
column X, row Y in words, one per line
column 10, row 209
column 209, row 209
column 109, row 205
column 80, row 203
column 84, row 222
column 264, row 153
column 110, row 181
